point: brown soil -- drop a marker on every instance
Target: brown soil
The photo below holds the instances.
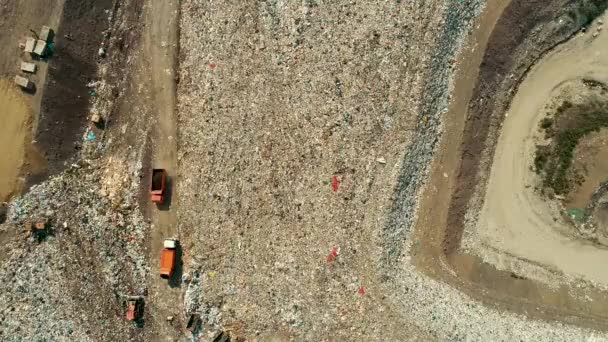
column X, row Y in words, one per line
column 15, row 132
column 18, row 17
column 64, row 108
column 21, row 108
column 442, row 217
column 568, row 111
column 59, row 106
column 600, row 219
column 484, row 119
column 160, row 46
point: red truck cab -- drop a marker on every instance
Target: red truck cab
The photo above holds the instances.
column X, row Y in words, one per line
column 158, row 184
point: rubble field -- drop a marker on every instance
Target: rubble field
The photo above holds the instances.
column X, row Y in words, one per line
column 311, row 216
column 320, row 167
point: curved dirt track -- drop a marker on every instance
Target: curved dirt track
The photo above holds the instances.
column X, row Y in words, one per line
column 487, row 78
column 514, row 219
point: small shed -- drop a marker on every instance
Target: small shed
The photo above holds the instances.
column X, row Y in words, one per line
column 30, row 45
column 28, row 67
column 46, row 33
column 96, row 118
column 40, row 48
column 23, row 82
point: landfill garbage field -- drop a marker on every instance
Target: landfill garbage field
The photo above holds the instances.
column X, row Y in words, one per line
column 303, row 170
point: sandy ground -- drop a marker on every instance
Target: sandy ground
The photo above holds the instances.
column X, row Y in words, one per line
column 514, row 219
column 19, row 110
column 436, row 218
column 14, row 134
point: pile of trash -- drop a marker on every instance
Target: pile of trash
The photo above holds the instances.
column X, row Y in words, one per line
column 69, row 279
column 92, row 253
column 289, row 147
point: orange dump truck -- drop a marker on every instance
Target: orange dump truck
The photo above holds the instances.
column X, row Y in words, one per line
column 157, row 188
column 168, row 258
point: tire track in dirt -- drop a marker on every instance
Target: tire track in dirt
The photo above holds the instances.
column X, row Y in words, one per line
column 514, row 218
column 454, row 177
column 160, row 47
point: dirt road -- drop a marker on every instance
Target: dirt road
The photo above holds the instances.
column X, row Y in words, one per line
column 514, row 219
column 160, row 46
column 439, row 219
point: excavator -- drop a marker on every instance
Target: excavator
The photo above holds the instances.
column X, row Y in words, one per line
column 135, row 308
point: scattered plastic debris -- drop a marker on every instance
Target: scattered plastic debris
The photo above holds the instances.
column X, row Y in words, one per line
column 362, row 291
column 335, row 183
column 333, row 255
column 91, row 136
column 577, row 214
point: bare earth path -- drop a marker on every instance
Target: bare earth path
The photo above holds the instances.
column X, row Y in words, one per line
column 161, row 48
column 515, row 219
